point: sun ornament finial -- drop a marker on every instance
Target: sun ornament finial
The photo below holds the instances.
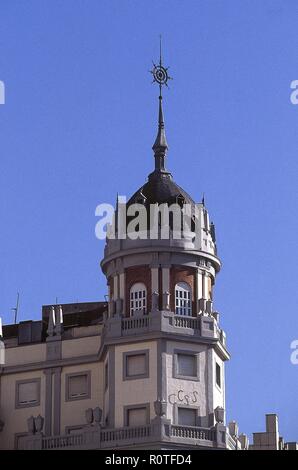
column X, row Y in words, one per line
column 160, row 73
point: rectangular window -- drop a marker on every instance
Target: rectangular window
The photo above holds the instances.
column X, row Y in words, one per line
column 27, row 393
column 138, row 299
column 187, row 365
column 136, row 365
column 137, row 416
column 187, row 416
column 183, row 299
column 218, row 375
column 78, row 386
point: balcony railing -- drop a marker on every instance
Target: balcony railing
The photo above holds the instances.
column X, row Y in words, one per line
column 186, row 322
column 190, row 432
column 63, row 442
column 98, row 438
column 135, row 323
column 109, row 437
column 163, row 321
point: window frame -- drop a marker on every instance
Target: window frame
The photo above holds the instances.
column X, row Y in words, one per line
column 127, row 408
column 67, row 385
column 187, row 289
column 218, row 367
column 19, row 405
column 184, row 406
column 185, row 352
column 142, row 311
column 126, row 355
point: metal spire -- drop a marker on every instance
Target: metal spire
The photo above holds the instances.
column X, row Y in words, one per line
column 160, row 146
column 160, row 65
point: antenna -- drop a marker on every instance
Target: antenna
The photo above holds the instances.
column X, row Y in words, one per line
column 16, row 308
column 160, row 57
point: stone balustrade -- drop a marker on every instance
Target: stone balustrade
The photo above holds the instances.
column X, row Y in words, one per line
column 95, row 437
column 204, row 326
column 63, row 442
column 115, row 437
column 191, row 432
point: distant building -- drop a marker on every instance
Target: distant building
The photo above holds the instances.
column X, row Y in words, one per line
column 144, row 370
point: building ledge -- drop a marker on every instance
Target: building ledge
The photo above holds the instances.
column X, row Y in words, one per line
column 203, row 328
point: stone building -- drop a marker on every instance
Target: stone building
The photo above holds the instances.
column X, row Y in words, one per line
column 143, row 370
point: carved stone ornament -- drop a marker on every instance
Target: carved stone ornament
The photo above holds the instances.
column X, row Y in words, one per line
column 97, row 414
column 31, row 425
column 39, row 421
column 89, row 415
column 219, row 413
column 160, row 407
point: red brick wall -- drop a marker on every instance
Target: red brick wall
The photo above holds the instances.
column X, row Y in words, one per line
column 137, row 274
column 180, row 274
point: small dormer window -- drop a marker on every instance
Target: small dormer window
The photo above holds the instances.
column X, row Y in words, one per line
column 140, row 199
column 138, row 299
column 180, row 200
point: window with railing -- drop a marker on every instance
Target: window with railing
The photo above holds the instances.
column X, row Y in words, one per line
column 138, row 299
column 183, row 299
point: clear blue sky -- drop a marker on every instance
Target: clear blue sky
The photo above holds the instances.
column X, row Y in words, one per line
column 78, row 126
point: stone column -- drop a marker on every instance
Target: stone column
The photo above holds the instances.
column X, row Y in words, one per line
column 48, row 401
column 122, row 287
column 205, row 286
column 165, row 287
column 116, row 284
column 155, row 287
column 199, row 290
column 57, row 400
column 154, row 279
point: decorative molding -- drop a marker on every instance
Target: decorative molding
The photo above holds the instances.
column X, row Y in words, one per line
column 50, row 364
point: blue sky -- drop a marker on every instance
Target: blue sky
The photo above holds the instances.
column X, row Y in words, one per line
column 78, row 126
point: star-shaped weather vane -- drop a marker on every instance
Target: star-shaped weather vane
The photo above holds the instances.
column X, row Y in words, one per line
column 160, row 73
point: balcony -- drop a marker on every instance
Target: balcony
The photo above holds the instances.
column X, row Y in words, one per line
column 159, row 432
column 202, row 326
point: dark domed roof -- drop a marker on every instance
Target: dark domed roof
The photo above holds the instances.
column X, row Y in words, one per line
column 160, row 188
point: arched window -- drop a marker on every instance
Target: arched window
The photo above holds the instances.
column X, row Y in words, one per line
column 138, row 299
column 183, row 299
